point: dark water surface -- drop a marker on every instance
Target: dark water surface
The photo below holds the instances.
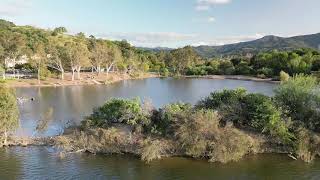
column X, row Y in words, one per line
column 70, row 104
column 44, row 163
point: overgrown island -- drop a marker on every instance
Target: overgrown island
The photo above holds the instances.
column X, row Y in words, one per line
column 223, row 127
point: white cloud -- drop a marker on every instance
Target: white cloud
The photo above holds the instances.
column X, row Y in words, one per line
column 151, row 39
column 173, row 40
column 218, row 41
column 214, row 1
column 211, row 19
column 9, row 8
column 204, row 5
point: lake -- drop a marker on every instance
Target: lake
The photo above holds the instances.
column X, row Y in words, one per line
column 71, row 104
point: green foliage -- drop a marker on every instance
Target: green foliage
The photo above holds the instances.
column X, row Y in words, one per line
column 225, row 97
column 9, row 114
column 243, row 68
column 307, row 145
column 262, row 115
column 226, row 67
column 201, row 136
column 300, row 99
column 284, row 77
column 164, row 72
column 162, row 120
column 265, row 71
column 117, row 111
column 254, row 111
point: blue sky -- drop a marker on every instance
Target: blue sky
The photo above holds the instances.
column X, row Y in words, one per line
column 170, row 23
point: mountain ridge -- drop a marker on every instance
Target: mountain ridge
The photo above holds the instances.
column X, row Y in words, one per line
column 266, row 43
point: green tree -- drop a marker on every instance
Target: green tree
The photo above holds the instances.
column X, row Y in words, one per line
column 299, row 97
column 9, row 114
column 284, row 77
column 39, row 58
column 59, row 30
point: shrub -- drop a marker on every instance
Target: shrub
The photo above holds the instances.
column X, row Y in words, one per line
column 231, row 145
column 195, row 131
column 256, row 111
column 9, row 114
column 118, row 111
column 200, row 136
column 226, row 67
column 262, row 115
column 164, row 72
column 243, row 68
column 300, row 99
column 162, row 120
column 307, row 145
column 153, row 149
column 284, row 77
column 266, row 71
column 217, row 99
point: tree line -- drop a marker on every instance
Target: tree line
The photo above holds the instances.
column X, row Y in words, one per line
column 55, row 51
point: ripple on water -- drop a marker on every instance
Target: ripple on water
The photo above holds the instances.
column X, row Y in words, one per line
column 43, row 163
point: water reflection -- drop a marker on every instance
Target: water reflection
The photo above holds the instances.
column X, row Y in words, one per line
column 44, row 163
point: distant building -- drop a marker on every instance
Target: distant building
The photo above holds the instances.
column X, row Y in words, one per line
column 10, row 63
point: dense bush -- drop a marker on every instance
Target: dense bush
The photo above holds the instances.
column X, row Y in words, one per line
column 9, row 114
column 225, row 97
column 201, row 136
column 162, row 120
column 284, row 76
column 254, row 111
column 299, row 97
column 118, row 111
column 265, row 71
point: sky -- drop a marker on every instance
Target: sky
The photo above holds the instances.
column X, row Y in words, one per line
column 169, row 23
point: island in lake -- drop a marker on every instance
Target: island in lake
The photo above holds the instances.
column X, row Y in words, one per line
column 82, row 106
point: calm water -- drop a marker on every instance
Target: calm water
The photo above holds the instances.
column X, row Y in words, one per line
column 70, row 104
column 44, row 163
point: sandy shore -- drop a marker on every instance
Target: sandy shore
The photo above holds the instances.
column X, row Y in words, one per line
column 86, row 79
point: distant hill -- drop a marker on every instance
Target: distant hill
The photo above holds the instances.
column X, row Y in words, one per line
column 266, row 43
column 156, row 49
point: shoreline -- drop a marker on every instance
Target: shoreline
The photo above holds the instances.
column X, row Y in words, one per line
column 87, row 79
column 235, row 77
column 104, row 79
column 117, row 141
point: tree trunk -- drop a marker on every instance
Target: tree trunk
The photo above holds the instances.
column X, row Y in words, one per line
column 62, row 74
column 73, row 74
column 5, row 142
column 98, row 69
column 4, row 76
column 108, row 68
column 78, row 72
column 39, row 76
